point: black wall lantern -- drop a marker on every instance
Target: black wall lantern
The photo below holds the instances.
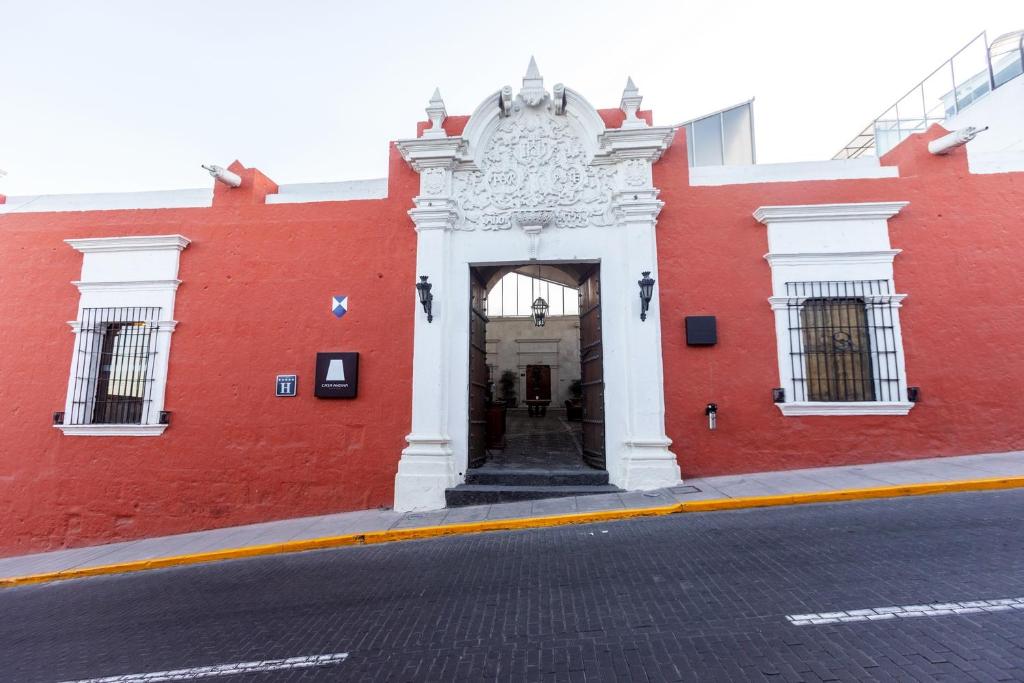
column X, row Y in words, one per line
column 540, row 311
column 426, row 298
column 646, row 291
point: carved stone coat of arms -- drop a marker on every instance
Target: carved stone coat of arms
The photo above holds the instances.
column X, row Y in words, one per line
column 534, row 165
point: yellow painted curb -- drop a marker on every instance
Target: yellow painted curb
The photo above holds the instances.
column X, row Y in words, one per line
column 390, row 536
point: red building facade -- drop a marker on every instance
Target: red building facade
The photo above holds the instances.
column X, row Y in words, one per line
column 242, row 277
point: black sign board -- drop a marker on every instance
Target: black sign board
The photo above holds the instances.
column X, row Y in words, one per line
column 287, row 385
column 337, row 374
column 701, row 330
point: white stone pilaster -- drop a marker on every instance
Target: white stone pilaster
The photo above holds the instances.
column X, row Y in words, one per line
column 427, row 466
column 647, row 462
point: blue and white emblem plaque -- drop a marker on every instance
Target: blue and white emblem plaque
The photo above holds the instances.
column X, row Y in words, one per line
column 339, row 305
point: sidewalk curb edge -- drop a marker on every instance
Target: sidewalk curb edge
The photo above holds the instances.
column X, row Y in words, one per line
column 418, row 533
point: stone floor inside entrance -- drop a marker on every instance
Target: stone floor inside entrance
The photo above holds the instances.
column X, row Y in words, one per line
column 542, row 458
column 539, row 442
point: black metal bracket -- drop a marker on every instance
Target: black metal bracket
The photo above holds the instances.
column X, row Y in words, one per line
column 778, row 395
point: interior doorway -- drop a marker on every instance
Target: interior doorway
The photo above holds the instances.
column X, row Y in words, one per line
column 536, row 390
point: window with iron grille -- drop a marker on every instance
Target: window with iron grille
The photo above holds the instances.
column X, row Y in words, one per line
column 842, row 341
column 114, row 366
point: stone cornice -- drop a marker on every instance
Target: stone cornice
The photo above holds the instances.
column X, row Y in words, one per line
column 832, row 258
column 129, row 243
column 433, row 213
column 637, row 204
column 424, row 153
column 127, row 285
column 112, row 430
column 845, row 408
column 828, row 212
column 781, row 303
column 647, row 143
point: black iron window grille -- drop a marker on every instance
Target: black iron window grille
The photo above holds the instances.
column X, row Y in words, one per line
column 114, row 366
column 842, row 341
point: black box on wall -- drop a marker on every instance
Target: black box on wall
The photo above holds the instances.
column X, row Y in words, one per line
column 337, row 374
column 701, row 330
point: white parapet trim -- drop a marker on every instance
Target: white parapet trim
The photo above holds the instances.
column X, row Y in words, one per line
column 835, row 169
column 376, row 188
column 845, row 408
column 1010, row 161
column 164, row 199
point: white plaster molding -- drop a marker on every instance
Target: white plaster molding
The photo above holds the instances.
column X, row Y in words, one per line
column 508, row 185
column 983, row 163
column 433, row 214
column 170, row 199
column 424, row 153
column 129, row 243
column 833, row 258
column 127, row 286
column 112, row 430
column 845, row 408
column 637, row 207
column 487, row 117
column 801, row 171
column 781, row 303
column 828, row 212
column 648, row 143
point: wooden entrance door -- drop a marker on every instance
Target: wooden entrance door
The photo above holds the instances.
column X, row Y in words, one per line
column 592, row 370
column 538, row 383
column 477, row 372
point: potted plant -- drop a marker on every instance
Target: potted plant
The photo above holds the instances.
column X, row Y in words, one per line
column 574, row 405
column 508, row 388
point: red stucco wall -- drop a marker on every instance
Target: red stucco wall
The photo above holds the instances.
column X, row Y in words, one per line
column 257, row 282
column 962, row 321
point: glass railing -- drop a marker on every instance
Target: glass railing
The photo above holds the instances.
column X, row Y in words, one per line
column 961, row 80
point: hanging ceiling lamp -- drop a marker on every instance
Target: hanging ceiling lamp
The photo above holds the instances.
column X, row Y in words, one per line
column 540, row 307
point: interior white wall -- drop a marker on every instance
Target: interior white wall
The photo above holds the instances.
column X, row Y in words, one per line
column 514, row 343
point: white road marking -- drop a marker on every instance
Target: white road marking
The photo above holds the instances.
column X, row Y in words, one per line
column 935, row 609
column 223, row 669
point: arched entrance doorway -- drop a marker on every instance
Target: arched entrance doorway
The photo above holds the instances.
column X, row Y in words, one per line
column 536, row 384
column 535, row 179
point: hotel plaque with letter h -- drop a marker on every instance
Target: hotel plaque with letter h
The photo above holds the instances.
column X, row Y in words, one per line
column 337, row 374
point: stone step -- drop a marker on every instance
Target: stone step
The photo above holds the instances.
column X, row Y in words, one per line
column 504, row 476
column 475, row 494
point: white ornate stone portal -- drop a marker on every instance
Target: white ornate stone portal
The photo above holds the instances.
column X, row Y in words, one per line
column 536, row 177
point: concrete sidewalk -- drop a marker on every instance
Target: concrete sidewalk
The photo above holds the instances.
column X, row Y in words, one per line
column 823, row 479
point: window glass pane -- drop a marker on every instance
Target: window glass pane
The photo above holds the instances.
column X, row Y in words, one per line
column 556, row 299
column 509, row 292
column 708, row 135
column 970, row 70
column 739, row 146
column 689, row 143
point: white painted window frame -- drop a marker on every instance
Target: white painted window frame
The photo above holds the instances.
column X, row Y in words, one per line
column 831, row 242
column 118, row 272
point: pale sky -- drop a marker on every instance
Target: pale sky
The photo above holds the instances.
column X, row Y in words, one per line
column 118, row 96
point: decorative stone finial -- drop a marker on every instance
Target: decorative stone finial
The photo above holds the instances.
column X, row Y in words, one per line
column 533, row 92
column 437, row 114
column 505, row 101
column 558, row 98
column 630, row 105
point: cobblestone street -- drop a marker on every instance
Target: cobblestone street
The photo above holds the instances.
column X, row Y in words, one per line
column 700, row 597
